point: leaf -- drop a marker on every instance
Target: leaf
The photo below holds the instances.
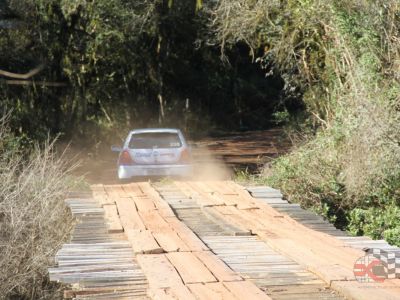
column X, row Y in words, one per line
column 170, row 2
column 199, row 4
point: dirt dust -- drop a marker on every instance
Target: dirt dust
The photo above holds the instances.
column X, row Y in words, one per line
column 213, row 157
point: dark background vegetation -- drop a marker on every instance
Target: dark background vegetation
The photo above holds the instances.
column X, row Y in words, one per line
column 117, row 65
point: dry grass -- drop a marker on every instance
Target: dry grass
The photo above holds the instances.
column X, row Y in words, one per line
column 344, row 56
column 34, row 220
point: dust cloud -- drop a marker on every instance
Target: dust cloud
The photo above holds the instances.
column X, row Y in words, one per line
column 213, row 157
column 207, row 166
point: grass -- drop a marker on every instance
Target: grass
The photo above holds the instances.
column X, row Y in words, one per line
column 245, row 177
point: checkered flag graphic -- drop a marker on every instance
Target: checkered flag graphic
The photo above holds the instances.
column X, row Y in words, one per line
column 390, row 261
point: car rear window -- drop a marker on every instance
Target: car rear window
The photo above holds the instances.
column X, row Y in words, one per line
column 151, row 140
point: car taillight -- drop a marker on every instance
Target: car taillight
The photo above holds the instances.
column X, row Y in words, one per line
column 125, row 159
column 185, row 156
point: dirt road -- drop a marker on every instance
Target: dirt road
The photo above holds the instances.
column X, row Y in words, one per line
column 213, row 156
column 208, row 240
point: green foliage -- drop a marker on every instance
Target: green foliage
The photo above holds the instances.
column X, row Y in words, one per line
column 378, row 223
column 310, row 176
column 379, row 215
column 244, row 176
column 281, row 117
column 343, row 58
column 116, row 58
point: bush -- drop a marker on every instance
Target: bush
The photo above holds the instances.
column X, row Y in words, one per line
column 34, row 221
column 344, row 57
column 379, row 217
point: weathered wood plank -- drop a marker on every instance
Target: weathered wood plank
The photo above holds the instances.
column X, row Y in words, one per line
column 170, row 241
column 142, row 241
column 214, row 291
column 129, row 216
column 112, row 218
column 187, row 236
column 217, row 267
column 246, row 290
column 190, row 268
column 164, row 280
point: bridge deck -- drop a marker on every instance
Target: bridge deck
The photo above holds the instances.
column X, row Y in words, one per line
column 208, row 240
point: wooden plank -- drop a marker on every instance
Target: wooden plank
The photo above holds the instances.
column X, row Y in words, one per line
column 367, row 290
column 99, row 290
column 98, row 264
column 164, row 280
column 112, row 191
column 170, row 241
column 118, row 189
column 191, row 190
column 143, row 242
column 162, row 206
column 217, row 267
column 246, row 290
column 148, row 190
column 190, row 268
column 129, row 216
column 204, row 186
column 187, row 236
column 208, row 195
column 294, row 240
column 144, row 203
column 223, row 221
column 159, row 271
column 99, row 193
column 226, row 187
column 134, row 189
column 172, row 293
column 166, row 212
column 154, row 221
column 112, row 218
column 184, row 187
column 214, row 291
column 238, row 195
column 231, row 216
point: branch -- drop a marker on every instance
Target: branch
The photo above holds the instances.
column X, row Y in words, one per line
column 23, row 76
column 39, row 83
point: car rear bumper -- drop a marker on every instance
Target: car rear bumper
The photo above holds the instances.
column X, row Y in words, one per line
column 125, row 172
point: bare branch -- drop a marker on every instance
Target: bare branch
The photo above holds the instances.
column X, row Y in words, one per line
column 39, row 83
column 23, row 76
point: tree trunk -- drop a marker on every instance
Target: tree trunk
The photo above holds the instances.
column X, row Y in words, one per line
column 160, row 95
column 162, row 53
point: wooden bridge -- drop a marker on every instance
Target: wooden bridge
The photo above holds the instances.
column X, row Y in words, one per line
column 209, row 240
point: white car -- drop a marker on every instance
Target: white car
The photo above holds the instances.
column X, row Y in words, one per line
column 154, row 152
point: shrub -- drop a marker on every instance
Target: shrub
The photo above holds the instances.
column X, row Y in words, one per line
column 350, row 168
column 34, row 220
column 344, row 57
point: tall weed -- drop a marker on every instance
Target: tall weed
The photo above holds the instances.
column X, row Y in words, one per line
column 34, row 220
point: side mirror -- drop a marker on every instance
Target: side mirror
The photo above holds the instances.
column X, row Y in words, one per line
column 116, row 149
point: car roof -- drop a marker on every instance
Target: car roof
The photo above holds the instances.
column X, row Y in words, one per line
column 144, row 130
